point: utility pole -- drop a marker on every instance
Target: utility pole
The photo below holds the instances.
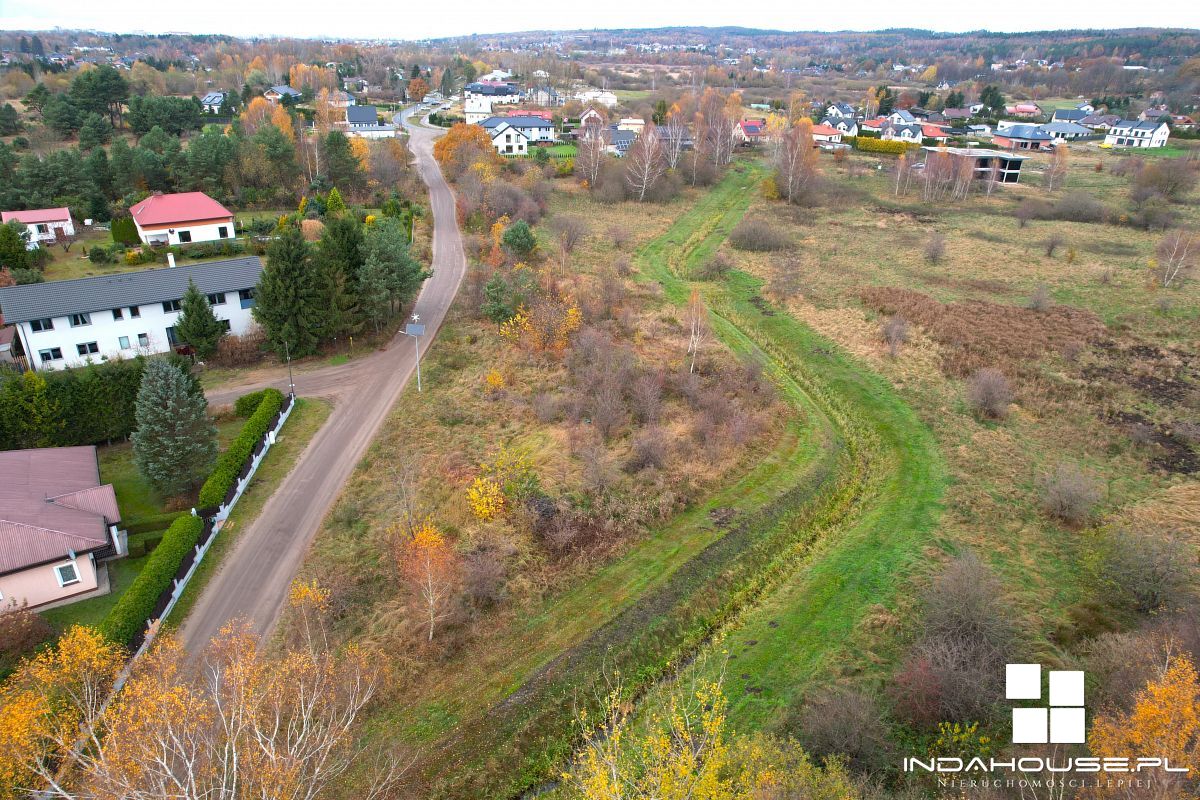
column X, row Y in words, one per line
column 287, row 352
column 416, row 331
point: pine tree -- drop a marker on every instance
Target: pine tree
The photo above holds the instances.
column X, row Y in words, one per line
column 496, row 301
column 374, row 292
column 338, row 303
column 198, row 326
column 175, row 443
column 287, row 300
column 386, row 243
column 342, row 243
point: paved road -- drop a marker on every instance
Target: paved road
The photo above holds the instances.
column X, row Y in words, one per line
column 254, row 578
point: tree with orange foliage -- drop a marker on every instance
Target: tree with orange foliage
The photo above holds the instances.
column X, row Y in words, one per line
column 256, row 114
column 281, row 119
column 1164, row 723
column 429, row 566
column 417, row 89
column 447, row 148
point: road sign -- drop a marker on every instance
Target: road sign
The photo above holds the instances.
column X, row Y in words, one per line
column 412, row 329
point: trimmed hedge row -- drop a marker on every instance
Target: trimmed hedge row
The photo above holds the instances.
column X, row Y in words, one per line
column 883, row 146
column 230, row 463
column 247, row 404
column 128, row 617
column 152, row 522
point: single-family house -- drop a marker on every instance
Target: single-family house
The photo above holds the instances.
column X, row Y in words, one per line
column 843, row 125
column 477, row 109
column 1022, row 137
column 45, row 225
column 901, row 117
column 991, row 165
column 902, row 133
column 1026, row 110
column 1182, row 122
column 211, row 103
column 506, row 138
column 982, row 130
column 750, row 132
column 1068, row 115
column 1067, row 131
column 58, row 525
column 1099, row 122
column 1086, row 107
column 498, row 92
column 361, row 117
column 956, row 114
column 340, row 99
column 68, row 323
column 497, row 75
column 1154, row 114
column 826, row 134
column 635, row 124
column 619, row 141
column 1135, row 133
column 874, row 126
column 545, row 96
column 282, row 93
column 181, row 218
column 937, row 133
column 841, row 111
column 601, row 97
column 591, row 116
column 533, row 128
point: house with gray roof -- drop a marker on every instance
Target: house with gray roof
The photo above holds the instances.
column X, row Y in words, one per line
column 1068, row 115
column 535, row 128
column 1067, row 131
column 282, row 93
column 1138, row 133
column 63, row 324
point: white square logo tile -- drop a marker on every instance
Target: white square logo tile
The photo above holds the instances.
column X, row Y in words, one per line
column 1066, row 725
column 1029, row 725
column 1066, row 688
column 1023, row 681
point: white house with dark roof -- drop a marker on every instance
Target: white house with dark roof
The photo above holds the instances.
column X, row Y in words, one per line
column 508, row 140
column 281, row 92
column 841, row 111
column 534, row 128
column 1136, row 133
column 847, row 126
column 69, row 323
column 211, row 103
column 58, row 524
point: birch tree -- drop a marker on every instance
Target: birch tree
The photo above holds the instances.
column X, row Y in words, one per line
column 698, row 328
column 1056, row 173
column 1176, row 257
column 796, row 164
column 589, row 160
column 645, row 162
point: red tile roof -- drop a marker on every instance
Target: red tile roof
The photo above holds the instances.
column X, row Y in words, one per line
column 825, row 130
column 36, row 215
column 52, row 504
column 933, row 132
column 168, row 209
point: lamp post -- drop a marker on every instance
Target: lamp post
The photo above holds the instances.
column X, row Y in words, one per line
column 416, row 331
column 287, row 352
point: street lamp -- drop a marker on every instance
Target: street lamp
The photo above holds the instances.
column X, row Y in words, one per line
column 416, row 331
column 287, row 352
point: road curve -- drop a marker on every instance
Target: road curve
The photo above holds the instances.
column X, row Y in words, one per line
column 252, row 582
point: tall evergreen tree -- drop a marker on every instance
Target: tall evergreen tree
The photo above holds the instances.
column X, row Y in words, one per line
column 342, row 243
column 198, row 326
column 386, row 248
column 287, row 300
column 375, row 292
column 175, row 443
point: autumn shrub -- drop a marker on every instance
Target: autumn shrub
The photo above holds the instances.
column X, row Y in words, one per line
column 484, row 578
column 229, row 463
column 235, row 350
column 1069, row 494
column 646, row 397
column 1040, row 300
column 758, row 235
column 715, row 268
column 610, row 191
column 21, row 631
column 649, row 451
column 1150, row 570
column 935, row 247
column 989, row 393
column 894, row 333
column 127, row 619
column 844, row 723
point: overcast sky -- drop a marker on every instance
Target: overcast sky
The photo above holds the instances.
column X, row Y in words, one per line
column 417, row 20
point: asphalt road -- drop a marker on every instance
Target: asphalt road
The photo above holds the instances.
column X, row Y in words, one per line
column 253, row 581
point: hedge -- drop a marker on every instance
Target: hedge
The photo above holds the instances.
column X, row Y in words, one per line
column 230, row 463
column 247, row 404
column 128, row 617
column 883, row 146
column 152, row 522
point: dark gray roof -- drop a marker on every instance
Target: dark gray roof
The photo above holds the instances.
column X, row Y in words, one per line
column 1068, row 115
column 362, row 115
column 1033, row 133
column 284, row 89
column 84, row 295
column 1138, row 125
column 518, row 122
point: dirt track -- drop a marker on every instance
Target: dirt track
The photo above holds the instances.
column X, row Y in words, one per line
column 254, row 578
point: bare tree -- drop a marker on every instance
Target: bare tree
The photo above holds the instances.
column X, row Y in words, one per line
column 1056, row 173
column 698, row 328
column 1176, row 255
column 796, row 164
column 568, row 232
column 589, row 160
column 902, row 173
column 674, row 134
column 645, row 163
column 935, row 247
column 895, row 333
column 64, row 239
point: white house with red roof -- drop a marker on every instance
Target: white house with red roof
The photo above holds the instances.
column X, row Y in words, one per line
column 182, row 218
column 826, row 134
column 44, row 224
column 58, row 525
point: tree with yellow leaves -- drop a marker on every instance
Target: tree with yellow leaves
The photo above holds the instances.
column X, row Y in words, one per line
column 1164, row 723
column 429, row 566
column 282, row 120
column 258, row 112
column 686, row 753
column 796, row 161
column 459, row 138
column 486, row 498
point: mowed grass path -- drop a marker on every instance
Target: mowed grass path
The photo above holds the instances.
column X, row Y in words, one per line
column 665, row 599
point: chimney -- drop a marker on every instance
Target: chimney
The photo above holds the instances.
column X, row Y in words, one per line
column 171, row 260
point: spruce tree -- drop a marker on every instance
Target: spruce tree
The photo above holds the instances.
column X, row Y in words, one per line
column 198, row 326
column 175, row 443
column 374, row 292
column 334, row 204
column 287, row 300
column 386, row 244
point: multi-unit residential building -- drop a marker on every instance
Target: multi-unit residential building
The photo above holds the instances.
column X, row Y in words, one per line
column 69, row 323
column 1136, row 133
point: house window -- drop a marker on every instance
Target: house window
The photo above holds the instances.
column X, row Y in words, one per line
column 143, row 340
column 223, row 232
column 118, row 314
column 66, row 574
column 185, row 236
column 51, row 354
column 43, row 228
column 217, row 299
column 123, row 342
column 79, row 320
column 225, row 325
column 87, row 348
column 37, row 325
column 135, row 312
column 171, row 339
column 170, row 306
column 246, row 298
